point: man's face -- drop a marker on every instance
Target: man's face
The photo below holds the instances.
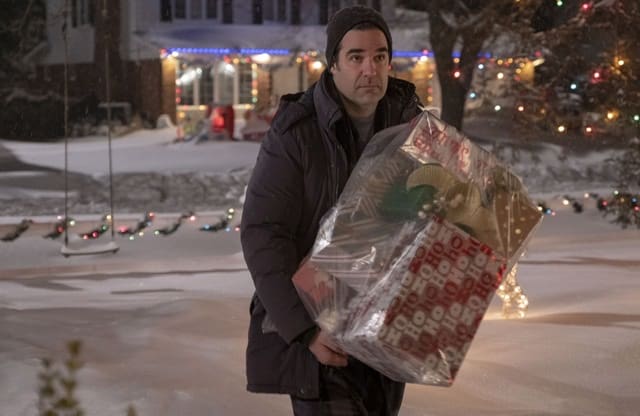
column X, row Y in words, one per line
column 361, row 69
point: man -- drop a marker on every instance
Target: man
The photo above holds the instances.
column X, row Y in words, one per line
column 313, row 145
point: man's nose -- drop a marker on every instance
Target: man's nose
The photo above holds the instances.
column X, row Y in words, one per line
column 369, row 67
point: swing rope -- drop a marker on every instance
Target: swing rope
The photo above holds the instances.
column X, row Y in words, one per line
column 113, row 247
column 107, row 39
column 65, row 37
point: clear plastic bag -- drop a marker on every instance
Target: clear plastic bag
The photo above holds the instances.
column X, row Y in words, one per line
column 407, row 262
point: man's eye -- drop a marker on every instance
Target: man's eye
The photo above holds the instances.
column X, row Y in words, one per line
column 380, row 58
column 355, row 58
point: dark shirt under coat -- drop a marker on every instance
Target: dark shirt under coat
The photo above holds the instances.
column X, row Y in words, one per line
column 303, row 165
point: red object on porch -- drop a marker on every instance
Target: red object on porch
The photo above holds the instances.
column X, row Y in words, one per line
column 223, row 119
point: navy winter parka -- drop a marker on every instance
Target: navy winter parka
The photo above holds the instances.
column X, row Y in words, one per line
column 303, row 165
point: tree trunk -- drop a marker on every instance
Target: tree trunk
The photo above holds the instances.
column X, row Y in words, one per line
column 443, row 39
column 455, row 80
column 453, row 100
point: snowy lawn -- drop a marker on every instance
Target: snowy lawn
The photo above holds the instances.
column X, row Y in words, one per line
column 169, row 335
column 164, row 320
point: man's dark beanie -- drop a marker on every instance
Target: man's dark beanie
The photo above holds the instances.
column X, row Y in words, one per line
column 346, row 19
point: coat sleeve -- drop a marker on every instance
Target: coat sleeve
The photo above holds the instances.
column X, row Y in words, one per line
column 270, row 217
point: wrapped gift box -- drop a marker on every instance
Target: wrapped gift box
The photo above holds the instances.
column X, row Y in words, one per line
column 406, row 263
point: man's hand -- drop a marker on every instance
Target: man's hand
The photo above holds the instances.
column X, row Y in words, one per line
column 326, row 351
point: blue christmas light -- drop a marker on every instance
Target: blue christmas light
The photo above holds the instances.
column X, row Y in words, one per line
column 228, row 51
column 412, row 54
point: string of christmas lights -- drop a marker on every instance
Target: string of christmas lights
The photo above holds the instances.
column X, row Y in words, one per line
column 223, row 224
column 97, row 232
column 170, row 229
column 624, row 207
column 575, row 204
column 138, row 230
column 542, row 207
column 17, row 231
column 59, row 227
column 514, row 302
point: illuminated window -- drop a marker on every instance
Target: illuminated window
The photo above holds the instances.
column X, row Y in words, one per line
column 245, row 78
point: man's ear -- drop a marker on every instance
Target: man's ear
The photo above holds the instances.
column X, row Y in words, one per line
column 332, row 68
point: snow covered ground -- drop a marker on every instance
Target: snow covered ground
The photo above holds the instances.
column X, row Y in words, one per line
column 164, row 320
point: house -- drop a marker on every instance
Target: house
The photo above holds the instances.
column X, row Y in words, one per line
column 176, row 57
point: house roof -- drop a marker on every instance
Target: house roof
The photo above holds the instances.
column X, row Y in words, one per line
column 291, row 38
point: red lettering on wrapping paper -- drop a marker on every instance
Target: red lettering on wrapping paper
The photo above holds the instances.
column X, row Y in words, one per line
column 456, row 276
column 430, row 326
column 422, row 144
column 471, row 249
column 488, row 279
column 454, row 146
column 444, row 267
column 474, row 271
column 429, row 297
column 431, row 259
column 415, row 264
column 418, row 285
column 482, row 291
column 420, row 253
column 438, row 136
column 468, row 316
column 446, row 339
column 450, row 290
column 437, row 249
column 412, row 299
column 395, row 304
column 485, row 286
column 462, row 332
column 437, row 313
column 438, row 307
column 420, row 351
column 480, row 260
column 412, row 331
column 462, row 262
column 455, row 310
column 406, row 309
column 426, row 271
column 451, row 255
column 449, row 321
column 418, row 318
column 406, row 343
column 476, row 303
column 457, row 242
column 463, row 295
column 428, row 342
column 392, row 336
column 402, row 292
column 444, row 236
column 407, row 279
column 438, row 279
